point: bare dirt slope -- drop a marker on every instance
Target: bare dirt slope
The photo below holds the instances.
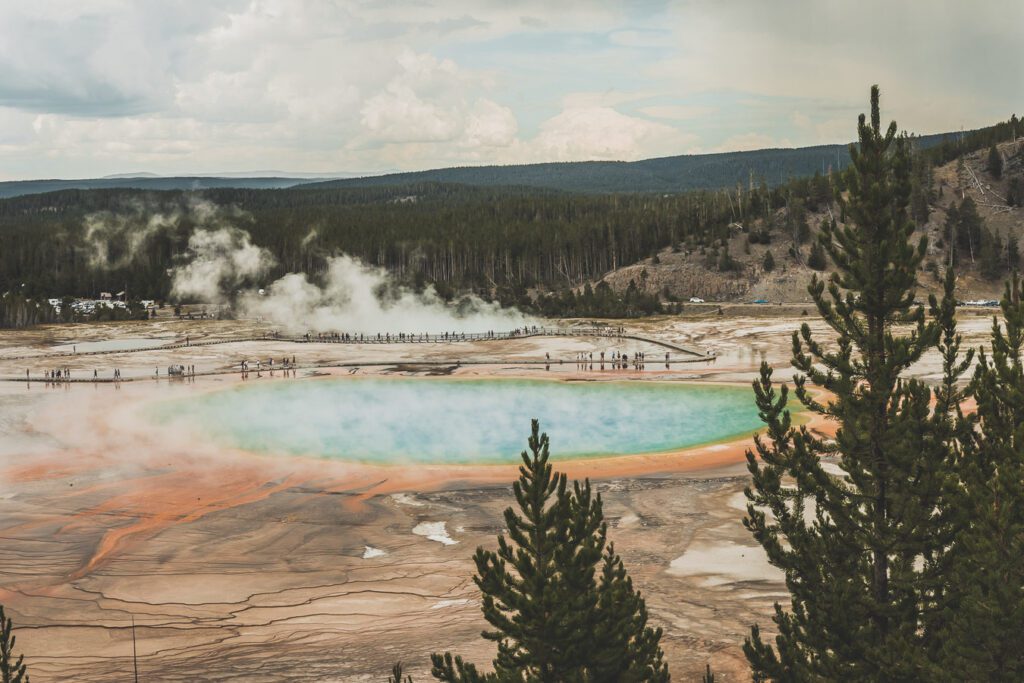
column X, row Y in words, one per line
column 687, row 274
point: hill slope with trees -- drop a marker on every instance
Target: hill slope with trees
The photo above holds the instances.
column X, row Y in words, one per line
column 541, row 249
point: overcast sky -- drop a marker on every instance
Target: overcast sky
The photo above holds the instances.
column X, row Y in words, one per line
column 95, row 87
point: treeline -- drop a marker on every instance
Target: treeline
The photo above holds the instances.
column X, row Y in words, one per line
column 597, row 302
column 955, row 145
column 17, row 310
column 459, row 237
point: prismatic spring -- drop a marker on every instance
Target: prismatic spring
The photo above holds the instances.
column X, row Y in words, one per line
column 458, row 421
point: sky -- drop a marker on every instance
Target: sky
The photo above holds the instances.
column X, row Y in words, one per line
column 96, row 87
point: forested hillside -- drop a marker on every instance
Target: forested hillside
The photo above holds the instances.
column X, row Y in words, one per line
column 501, row 242
column 456, row 236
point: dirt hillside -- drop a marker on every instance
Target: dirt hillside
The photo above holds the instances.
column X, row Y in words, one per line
column 683, row 274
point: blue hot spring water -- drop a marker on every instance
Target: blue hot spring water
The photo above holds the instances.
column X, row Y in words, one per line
column 398, row 420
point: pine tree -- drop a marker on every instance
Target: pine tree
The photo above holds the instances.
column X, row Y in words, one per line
column 995, row 163
column 991, row 255
column 854, row 548
column 624, row 649
column 921, row 189
column 969, row 228
column 553, row 619
column 803, row 232
column 725, row 261
column 769, row 262
column 11, row 670
column 1015, row 192
column 983, row 617
column 817, row 259
column 396, row 675
column 796, row 218
column 1012, row 253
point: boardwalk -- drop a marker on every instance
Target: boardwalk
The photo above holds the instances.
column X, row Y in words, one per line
column 384, row 339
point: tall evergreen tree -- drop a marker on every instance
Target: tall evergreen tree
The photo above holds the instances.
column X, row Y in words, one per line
column 951, row 231
column 921, row 189
column 553, row 619
column 991, row 255
column 969, row 228
column 982, row 618
column 854, row 548
column 1015, row 192
column 816, row 259
column 995, row 162
column 396, row 675
column 11, row 670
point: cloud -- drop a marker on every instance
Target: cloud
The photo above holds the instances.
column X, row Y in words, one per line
column 603, row 133
column 645, row 38
column 102, row 86
column 933, row 60
column 489, row 124
column 427, row 102
column 678, row 112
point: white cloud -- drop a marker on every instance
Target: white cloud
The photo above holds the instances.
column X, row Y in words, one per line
column 432, row 100
column 489, row 125
column 101, row 86
column 934, row 61
column 604, row 133
column 399, row 115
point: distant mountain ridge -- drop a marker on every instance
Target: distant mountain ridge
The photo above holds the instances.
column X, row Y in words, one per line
column 662, row 174
column 17, row 188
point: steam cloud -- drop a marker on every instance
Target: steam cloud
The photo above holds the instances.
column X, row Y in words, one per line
column 130, row 229
column 223, row 264
column 221, row 258
column 356, row 297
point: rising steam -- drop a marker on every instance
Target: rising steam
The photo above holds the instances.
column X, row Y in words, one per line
column 221, row 260
column 356, row 297
column 222, row 264
column 115, row 240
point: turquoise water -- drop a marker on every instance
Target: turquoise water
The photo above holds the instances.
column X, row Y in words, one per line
column 463, row 421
